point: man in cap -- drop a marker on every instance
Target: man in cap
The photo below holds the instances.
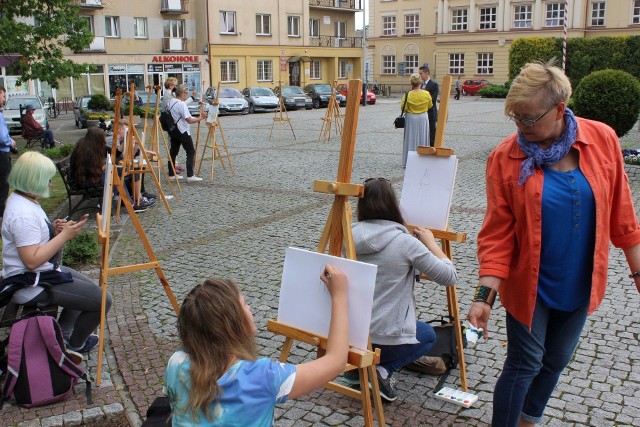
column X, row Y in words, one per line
column 33, row 129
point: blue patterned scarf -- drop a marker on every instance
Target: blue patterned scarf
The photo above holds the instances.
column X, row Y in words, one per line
column 536, row 156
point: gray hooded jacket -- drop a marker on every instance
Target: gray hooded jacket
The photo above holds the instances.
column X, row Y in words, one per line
column 389, row 245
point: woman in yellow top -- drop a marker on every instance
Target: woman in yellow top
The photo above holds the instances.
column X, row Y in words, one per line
column 416, row 127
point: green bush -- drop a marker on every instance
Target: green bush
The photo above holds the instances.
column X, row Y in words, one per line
column 59, row 152
column 495, row 91
column 84, row 248
column 99, row 102
column 609, row 96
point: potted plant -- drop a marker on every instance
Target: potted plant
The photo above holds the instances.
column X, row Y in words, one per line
column 93, row 119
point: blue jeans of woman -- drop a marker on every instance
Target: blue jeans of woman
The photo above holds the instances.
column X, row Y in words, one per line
column 535, row 360
column 394, row 357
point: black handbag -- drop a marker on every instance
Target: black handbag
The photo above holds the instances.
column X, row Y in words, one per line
column 399, row 121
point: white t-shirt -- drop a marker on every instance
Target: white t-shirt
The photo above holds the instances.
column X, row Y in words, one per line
column 180, row 113
column 24, row 224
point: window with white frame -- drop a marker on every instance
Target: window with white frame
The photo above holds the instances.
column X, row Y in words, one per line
column 340, row 29
column 485, row 63
column 174, row 28
column 314, row 28
column 227, row 22
column 388, row 64
column 412, row 23
column 315, row 70
column 635, row 14
column 488, row 18
column 342, row 69
column 89, row 21
column 229, row 70
column 456, row 63
column 112, row 26
column 522, row 16
column 263, row 24
column 555, row 15
column 293, row 26
column 389, row 25
column 140, row 28
column 265, row 70
column 458, row 19
column 597, row 13
column 410, row 64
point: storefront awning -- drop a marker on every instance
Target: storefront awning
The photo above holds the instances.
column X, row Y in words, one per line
column 6, row 60
column 299, row 58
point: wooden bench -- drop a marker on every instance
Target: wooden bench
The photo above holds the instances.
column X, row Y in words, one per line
column 87, row 193
column 14, row 312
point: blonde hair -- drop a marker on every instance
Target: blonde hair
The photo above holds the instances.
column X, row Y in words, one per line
column 180, row 89
column 415, row 79
column 31, row 174
column 538, row 81
column 171, row 81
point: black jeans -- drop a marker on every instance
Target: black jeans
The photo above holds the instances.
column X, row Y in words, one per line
column 181, row 139
column 5, row 168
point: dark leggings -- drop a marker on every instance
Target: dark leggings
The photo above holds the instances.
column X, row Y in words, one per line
column 181, row 139
column 80, row 300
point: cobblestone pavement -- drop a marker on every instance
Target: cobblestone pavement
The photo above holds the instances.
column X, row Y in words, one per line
column 239, row 226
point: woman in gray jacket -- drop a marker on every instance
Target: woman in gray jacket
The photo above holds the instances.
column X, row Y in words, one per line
column 381, row 238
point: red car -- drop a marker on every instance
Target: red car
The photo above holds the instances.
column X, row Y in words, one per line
column 344, row 89
column 471, row 87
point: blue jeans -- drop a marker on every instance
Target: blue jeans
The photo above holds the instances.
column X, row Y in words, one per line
column 535, row 360
column 394, row 357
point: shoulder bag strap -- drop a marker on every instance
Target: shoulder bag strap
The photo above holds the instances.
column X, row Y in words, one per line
column 404, row 104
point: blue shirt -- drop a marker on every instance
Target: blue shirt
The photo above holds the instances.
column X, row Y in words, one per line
column 5, row 139
column 250, row 391
column 568, row 240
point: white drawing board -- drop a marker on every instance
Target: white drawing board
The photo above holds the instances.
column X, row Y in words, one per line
column 107, row 194
column 212, row 113
column 305, row 302
column 427, row 190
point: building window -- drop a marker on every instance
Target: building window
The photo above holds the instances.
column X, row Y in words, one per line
column 410, row 64
column 342, row 69
column 293, row 26
column 488, row 18
column 263, row 25
column 555, row 15
column 456, row 63
column 522, row 16
column 314, row 28
column 388, row 25
column 229, row 71
column 89, row 21
column 485, row 63
column 112, row 26
column 412, row 24
column 140, row 28
column 458, row 19
column 597, row 13
column 635, row 15
column 174, row 28
column 227, row 22
column 265, row 70
column 315, row 69
column 340, row 29
column 388, row 64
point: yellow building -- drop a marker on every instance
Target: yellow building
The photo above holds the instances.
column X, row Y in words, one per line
column 471, row 38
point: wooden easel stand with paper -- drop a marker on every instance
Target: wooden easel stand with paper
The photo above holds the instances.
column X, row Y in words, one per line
column 281, row 115
column 337, row 236
column 332, row 115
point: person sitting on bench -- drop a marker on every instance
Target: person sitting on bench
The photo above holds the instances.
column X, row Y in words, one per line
column 33, row 129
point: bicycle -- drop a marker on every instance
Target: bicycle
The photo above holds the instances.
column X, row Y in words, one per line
column 53, row 109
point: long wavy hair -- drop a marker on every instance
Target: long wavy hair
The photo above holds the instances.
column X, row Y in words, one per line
column 88, row 157
column 214, row 330
column 379, row 202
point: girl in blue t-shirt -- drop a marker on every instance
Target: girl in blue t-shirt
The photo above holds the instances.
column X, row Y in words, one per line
column 216, row 379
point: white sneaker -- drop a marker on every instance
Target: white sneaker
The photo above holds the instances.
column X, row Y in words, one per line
column 176, row 177
column 193, row 178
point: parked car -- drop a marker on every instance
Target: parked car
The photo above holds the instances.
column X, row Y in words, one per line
column 231, row 100
column 80, row 109
column 321, row 94
column 343, row 89
column 471, row 87
column 293, row 98
column 260, row 99
column 12, row 111
column 146, row 100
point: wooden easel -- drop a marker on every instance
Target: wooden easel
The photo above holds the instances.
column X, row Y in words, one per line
column 337, row 235
column 104, row 240
column 333, row 114
column 447, row 236
column 211, row 138
column 281, row 115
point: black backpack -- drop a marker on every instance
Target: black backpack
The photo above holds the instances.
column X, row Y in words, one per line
column 166, row 120
column 445, row 345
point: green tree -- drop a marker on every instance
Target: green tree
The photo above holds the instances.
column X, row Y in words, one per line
column 38, row 31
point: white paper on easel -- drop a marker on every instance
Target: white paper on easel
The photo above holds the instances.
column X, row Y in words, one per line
column 212, row 113
column 427, row 190
column 107, row 194
column 305, row 302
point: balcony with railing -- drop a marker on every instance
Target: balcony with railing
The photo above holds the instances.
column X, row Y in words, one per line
column 97, row 45
column 175, row 44
column 333, row 41
column 174, row 7
column 354, row 5
column 89, row 4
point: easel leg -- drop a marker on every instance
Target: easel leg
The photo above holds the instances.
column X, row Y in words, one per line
column 204, row 148
column 226, row 149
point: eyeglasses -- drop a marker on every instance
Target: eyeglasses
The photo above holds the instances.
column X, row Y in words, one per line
column 374, row 179
column 530, row 122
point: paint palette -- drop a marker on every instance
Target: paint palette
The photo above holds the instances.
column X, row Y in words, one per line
column 456, row 396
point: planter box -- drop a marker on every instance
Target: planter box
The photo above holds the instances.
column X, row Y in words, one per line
column 92, row 123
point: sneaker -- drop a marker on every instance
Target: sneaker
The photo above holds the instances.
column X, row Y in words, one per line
column 387, row 389
column 428, row 365
column 351, row 377
column 75, row 357
column 175, row 177
column 193, row 178
column 89, row 344
column 143, row 206
column 147, row 202
column 149, row 195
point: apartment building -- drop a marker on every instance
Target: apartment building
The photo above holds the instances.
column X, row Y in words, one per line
column 295, row 42
column 471, row 38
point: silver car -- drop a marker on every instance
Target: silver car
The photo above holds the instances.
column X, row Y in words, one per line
column 12, row 111
column 231, row 100
column 260, row 99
